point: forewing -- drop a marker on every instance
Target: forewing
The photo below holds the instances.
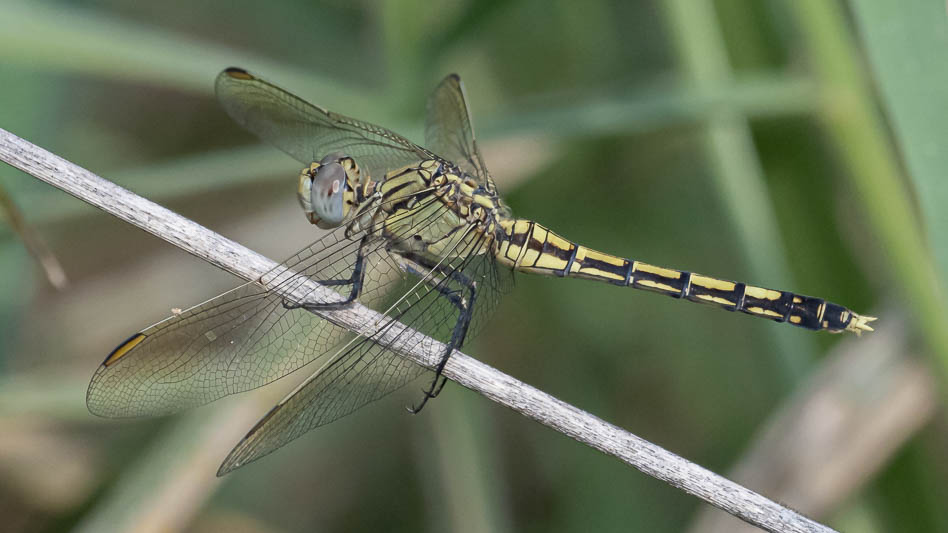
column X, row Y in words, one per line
column 449, row 132
column 244, row 338
column 234, row 342
column 308, row 132
column 365, row 370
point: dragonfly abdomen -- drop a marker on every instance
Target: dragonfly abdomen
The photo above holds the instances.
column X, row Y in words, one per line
column 530, row 247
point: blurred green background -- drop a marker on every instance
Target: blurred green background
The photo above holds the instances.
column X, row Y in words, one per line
column 791, row 144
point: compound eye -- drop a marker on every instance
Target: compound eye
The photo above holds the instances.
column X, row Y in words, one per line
column 326, row 194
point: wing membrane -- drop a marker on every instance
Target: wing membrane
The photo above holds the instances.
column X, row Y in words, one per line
column 449, row 132
column 226, row 345
column 257, row 333
column 308, row 132
column 365, row 370
column 244, row 338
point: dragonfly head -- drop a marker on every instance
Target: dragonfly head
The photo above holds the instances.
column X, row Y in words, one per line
column 326, row 190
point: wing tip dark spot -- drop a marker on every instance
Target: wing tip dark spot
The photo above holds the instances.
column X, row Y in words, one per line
column 122, row 349
column 238, row 73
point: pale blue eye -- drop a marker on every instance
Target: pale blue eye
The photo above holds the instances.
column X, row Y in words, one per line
column 326, row 195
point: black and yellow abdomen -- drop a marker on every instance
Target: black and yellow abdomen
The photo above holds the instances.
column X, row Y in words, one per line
column 530, row 247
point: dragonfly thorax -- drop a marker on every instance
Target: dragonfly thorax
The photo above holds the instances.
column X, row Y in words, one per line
column 468, row 198
column 328, row 190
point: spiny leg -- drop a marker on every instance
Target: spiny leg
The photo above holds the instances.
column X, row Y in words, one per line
column 465, row 314
column 356, row 280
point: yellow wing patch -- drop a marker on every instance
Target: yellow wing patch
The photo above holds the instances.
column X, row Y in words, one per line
column 124, row 348
column 238, row 73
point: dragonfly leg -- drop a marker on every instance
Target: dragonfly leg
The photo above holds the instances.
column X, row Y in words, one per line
column 465, row 313
column 355, row 280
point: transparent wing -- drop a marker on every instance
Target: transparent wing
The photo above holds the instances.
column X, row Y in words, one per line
column 247, row 337
column 365, row 370
column 449, row 132
column 308, row 132
column 367, row 374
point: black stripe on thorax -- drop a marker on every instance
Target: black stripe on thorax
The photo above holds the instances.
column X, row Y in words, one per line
column 394, row 190
column 408, row 202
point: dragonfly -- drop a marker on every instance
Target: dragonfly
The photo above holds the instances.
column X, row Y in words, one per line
column 418, row 234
